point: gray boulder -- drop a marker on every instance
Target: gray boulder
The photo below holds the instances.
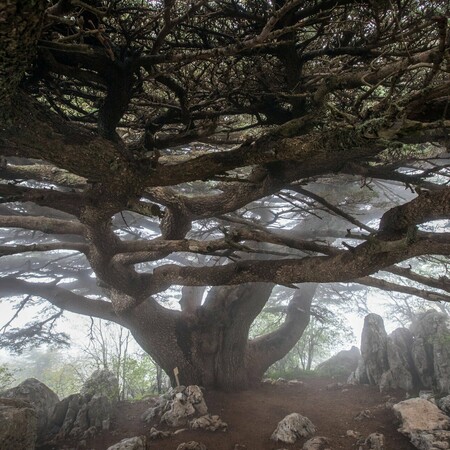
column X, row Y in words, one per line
column 102, row 383
column 191, row 445
column 209, row 423
column 374, row 348
column 399, row 359
column 178, row 407
column 423, row 423
column 375, row 441
column 65, row 414
column 359, row 376
column 317, row 443
column 444, row 404
column 18, row 424
column 99, row 411
column 406, row 359
column 341, row 364
column 134, row 443
column 81, row 416
column 293, row 427
column 431, row 350
column 42, row 399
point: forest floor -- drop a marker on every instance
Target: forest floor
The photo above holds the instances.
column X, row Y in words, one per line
column 253, row 415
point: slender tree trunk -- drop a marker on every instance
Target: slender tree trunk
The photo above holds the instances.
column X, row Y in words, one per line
column 158, row 378
column 310, row 355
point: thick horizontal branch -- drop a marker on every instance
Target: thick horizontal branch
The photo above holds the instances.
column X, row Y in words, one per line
column 16, row 249
column 441, row 283
column 426, row 207
column 42, row 172
column 69, row 202
column 39, row 223
column 61, row 298
column 363, row 260
column 383, row 173
column 133, row 252
column 396, row 287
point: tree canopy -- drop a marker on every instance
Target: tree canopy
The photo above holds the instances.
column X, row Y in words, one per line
column 170, row 143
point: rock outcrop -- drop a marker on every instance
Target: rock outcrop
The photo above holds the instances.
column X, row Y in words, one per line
column 401, row 371
column 417, row 358
column 431, row 350
column 183, row 406
column 424, row 423
column 18, row 424
column 79, row 416
column 342, row 364
column 374, row 348
column 82, row 415
column 444, row 404
column 40, row 397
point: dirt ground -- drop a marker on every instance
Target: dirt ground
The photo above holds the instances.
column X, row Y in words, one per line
column 253, row 415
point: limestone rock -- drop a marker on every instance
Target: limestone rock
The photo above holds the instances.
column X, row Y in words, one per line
column 400, row 372
column 317, row 443
column 359, row 376
column 194, row 395
column 353, row 434
column 192, row 445
column 18, row 424
column 102, row 383
column 444, row 404
column 179, row 407
column 374, row 348
column 407, row 359
column 209, row 423
column 157, row 434
column 77, row 414
column 342, row 364
column 375, row 441
column 431, row 350
column 66, row 413
column 42, row 399
column 134, row 443
column 179, row 413
column 292, row 427
column 99, row 410
column 426, row 426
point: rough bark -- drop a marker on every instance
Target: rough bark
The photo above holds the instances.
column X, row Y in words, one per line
column 209, row 345
column 102, row 98
column 20, row 27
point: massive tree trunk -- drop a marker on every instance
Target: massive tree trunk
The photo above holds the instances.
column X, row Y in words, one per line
column 210, row 345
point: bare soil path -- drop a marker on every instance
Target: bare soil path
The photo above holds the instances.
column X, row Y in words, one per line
column 253, row 415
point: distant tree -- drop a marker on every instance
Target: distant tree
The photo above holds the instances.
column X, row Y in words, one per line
column 61, row 373
column 112, row 347
column 171, row 150
column 326, row 330
column 323, row 336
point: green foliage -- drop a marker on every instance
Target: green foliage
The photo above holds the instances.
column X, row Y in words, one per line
column 326, row 331
column 112, row 347
column 7, row 376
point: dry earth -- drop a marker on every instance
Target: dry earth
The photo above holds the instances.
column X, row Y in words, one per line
column 253, row 415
